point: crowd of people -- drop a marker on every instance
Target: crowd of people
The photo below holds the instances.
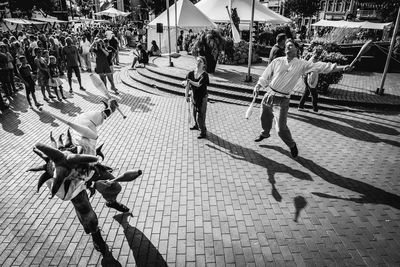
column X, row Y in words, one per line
column 33, row 59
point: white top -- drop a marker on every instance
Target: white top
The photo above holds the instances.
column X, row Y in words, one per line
column 282, row 76
column 85, row 46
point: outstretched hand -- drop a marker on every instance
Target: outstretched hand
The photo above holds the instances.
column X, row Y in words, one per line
column 348, row 68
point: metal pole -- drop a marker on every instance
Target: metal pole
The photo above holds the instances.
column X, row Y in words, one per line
column 169, row 35
column 72, row 12
column 176, row 28
column 248, row 76
column 380, row 90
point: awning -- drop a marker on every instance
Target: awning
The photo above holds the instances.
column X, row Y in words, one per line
column 23, row 21
column 50, row 20
column 351, row 24
column 112, row 12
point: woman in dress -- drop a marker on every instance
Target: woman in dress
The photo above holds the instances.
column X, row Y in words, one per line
column 197, row 81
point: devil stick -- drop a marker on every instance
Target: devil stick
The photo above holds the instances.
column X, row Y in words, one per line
column 102, row 88
column 364, row 49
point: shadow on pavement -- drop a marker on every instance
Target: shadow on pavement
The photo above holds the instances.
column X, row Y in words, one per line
column 346, row 131
column 65, row 107
column 144, row 252
column 246, row 154
column 370, row 127
column 10, row 122
column 142, row 103
column 369, row 193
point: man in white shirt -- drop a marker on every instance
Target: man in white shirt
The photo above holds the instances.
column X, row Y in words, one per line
column 279, row 80
column 85, row 53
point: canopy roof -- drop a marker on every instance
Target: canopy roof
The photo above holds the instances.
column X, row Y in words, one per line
column 50, row 20
column 188, row 16
column 351, row 24
column 23, row 21
column 216, row 11
column 112, row 12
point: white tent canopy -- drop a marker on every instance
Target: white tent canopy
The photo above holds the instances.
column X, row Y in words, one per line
column 112, row 12
column 351, row 24
column 287, row 20
column 216, row 11
column 188, row 17
column 23, row 21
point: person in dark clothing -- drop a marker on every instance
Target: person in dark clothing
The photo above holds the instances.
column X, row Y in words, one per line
column 25, row 73
column 278, row 50
column 71, row 56
column 115, row 45
column 198, row 80
column 154, row 50
column 103, row 67
column 4, row 71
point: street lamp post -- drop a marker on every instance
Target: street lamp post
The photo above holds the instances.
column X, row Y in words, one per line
column 169, row 35
column 380, row 90
column 176, row 27
column 248, row 76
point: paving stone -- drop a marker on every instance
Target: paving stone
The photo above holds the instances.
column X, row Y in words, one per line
column 210, row 202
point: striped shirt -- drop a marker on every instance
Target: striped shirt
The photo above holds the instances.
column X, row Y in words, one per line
column 281, row 76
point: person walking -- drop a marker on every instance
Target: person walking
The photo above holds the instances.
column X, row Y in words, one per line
column 198, row 80
column 279, row 79
column 70, row 55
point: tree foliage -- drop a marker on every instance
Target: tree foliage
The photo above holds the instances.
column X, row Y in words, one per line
column 303, row 8
column 27, row 6
column 159, row 6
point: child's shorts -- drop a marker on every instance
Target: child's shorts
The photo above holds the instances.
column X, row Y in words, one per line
column 57, row 82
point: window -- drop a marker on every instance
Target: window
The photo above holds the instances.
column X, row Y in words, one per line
column 322, row 6
column 330, row 5
column 339, row 6
column 347, row 5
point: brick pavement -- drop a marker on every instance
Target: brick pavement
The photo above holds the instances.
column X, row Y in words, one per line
column 224, row 201
column 355, row 86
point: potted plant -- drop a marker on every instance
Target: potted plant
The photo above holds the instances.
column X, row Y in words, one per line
column 325, row 80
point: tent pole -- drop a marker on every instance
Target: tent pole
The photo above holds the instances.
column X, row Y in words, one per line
column 248, row 76
column 169, row 35
column 380, row 90
column 176, row 28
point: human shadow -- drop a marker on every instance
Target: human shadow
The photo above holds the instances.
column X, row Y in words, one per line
column 344, row 130
column 239, row 152
column 371, row 127
column 369, row 193
column 144, row 252
column 10, row 122
column 46, row 119
column 66, row 107
column 141, row 103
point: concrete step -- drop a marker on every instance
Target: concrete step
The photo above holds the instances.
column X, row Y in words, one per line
column 245, row 91
column 170, row 86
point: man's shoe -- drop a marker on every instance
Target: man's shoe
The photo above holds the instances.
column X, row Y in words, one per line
column 70, row 91
column 294, row 151
column 300, row 108
column 118, row 206
column 81, row 88
column 201, row 136
column 195, row 127
column 315, row 110
column 260, row 138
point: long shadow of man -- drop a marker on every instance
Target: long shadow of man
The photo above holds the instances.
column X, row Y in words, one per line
column 144, row 252
column 369, row 193
column 344, row 130
column 246, row 154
